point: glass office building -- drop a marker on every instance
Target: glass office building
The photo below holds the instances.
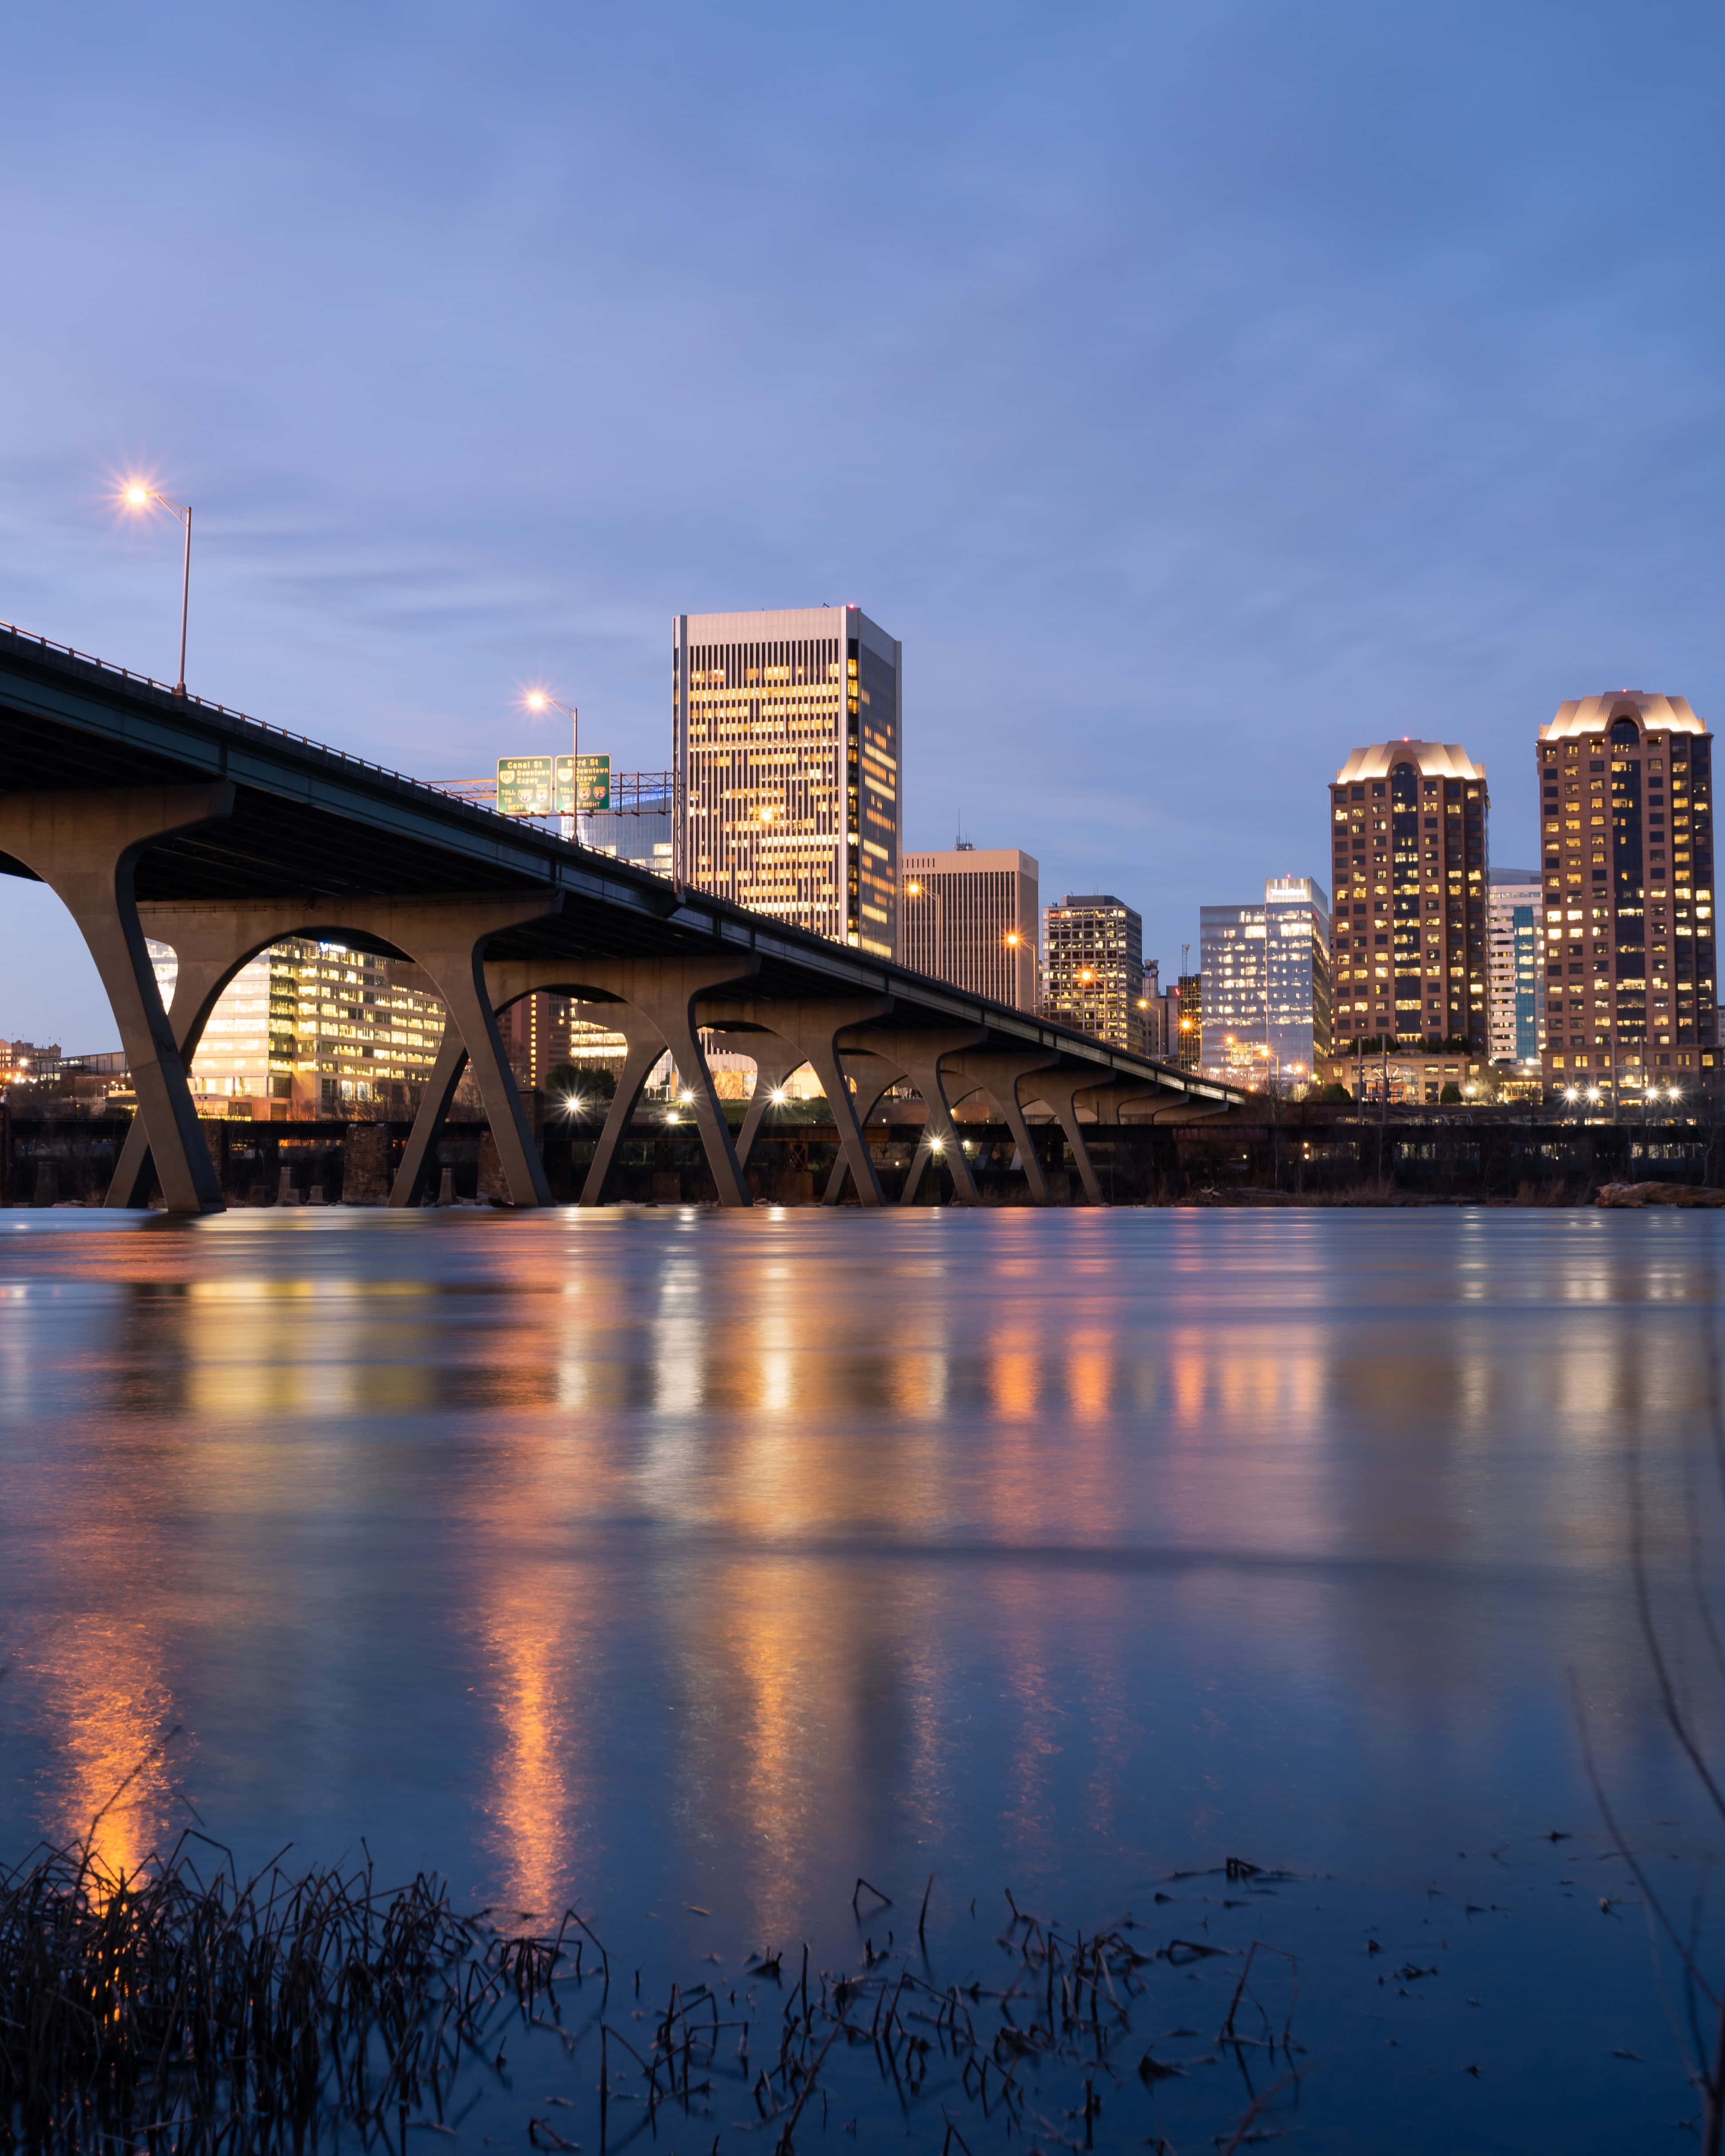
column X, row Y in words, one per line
column 1266, row 984
column 1516, row 999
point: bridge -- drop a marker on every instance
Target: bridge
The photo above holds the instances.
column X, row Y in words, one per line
column 155, row 814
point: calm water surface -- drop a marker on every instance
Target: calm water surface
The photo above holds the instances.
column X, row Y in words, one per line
column 659, row 1558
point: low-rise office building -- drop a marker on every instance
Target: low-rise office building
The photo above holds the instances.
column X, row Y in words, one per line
column 308, row 1029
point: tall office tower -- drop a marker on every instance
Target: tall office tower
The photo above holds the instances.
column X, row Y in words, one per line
column 1093, row 969
column 1410, row 820
column 970, row 918
column 1266, row 983
column 1185, row 1022
column 1626, row 806
column 308, row 1029
column 1515, row 921
column 1150, row 1003
column 786, row 729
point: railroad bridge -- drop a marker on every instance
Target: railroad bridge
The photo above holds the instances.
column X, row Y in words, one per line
column 154, row 814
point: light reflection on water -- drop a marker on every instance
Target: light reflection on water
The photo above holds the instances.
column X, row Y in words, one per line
column 670, row 1558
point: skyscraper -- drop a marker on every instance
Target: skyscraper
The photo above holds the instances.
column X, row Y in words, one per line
column 1266, row 983
column 1626, row 809
column 1515, row 936
column 970, row 918
column 787, row 728
column 1409, row 827
column 1184, row 1025
column 1155, row 1012
column 1093, row 968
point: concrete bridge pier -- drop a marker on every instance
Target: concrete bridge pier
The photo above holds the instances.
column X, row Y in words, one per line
column 1060, row 1090
column 813, row 1027
column 85, row 847
column 651, row 1001
column 446, row 938
column 645, row 1044
column 434, row 1110
column 211, row 942
column 920, row 1056
column 448, row 942
column 874, row 1078
column 999, row 1075
column 775, row 1061
column 662, row 997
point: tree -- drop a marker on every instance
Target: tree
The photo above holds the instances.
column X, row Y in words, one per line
column 593, row 1081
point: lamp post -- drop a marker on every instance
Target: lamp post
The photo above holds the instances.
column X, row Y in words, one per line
column 536, row 700
column 913, row 889
column 1014, row 943
column 139, row 496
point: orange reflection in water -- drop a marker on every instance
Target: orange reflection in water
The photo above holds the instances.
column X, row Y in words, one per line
column 114, row 1778
column 783, row 1668
column 532, row 1637
column 541, row 1619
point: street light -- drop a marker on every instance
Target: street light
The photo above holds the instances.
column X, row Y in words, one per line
column 536, row 700
column 137, row 495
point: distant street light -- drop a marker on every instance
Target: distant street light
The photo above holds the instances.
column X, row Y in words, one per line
column 137, row 495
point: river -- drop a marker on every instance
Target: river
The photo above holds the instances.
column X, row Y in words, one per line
column 690, row 1567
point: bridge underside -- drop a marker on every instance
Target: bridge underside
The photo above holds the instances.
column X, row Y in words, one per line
column 155, row 815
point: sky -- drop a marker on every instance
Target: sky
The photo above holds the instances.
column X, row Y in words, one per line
column 1199, row 391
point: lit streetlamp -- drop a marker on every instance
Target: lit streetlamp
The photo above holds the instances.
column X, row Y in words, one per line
column 537, row 700
column 137, row 495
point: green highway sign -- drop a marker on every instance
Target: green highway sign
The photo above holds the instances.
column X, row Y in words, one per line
column 528, row 785
column 552, row 785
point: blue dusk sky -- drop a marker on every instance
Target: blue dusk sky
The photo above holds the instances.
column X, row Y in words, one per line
column 1199, row 390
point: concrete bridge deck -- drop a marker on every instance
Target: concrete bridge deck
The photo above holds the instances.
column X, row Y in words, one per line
column 155, row 814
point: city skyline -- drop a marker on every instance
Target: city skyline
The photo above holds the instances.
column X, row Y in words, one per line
column 1297, row 414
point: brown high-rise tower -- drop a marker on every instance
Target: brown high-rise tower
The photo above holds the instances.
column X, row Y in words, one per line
column 1626, row 812
column 1408, row 954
